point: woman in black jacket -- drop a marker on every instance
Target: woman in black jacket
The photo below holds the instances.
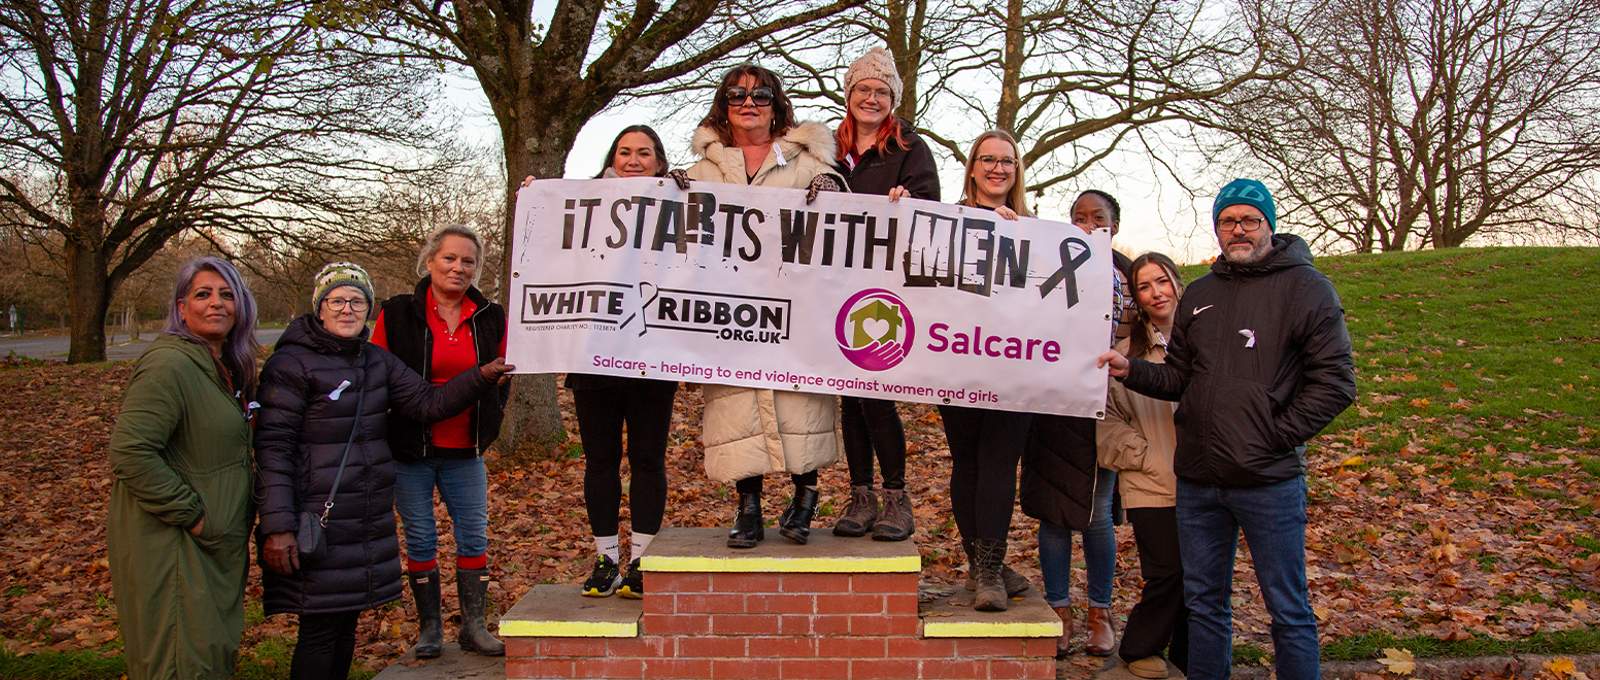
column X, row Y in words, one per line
column 446, row 326
column 320, row 448
column 878, row 154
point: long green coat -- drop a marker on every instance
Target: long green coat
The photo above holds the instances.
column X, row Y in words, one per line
column 180, row 451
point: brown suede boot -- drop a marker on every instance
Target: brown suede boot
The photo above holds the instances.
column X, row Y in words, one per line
column 859, row 513
column 895, row 522
column 1064, row 643
column 991, row 592
column 1102, row 637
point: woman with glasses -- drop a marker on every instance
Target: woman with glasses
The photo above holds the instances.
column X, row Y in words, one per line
column 751, row 137
column 443, row 327
column 879, row 153
column 985, row 444
column 322, row 456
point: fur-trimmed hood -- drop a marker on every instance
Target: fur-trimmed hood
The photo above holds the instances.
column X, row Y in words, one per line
column 802, row 153
column 808, row 137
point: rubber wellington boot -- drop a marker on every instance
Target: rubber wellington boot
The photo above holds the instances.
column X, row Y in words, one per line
column 472, row 588
column 425, row 590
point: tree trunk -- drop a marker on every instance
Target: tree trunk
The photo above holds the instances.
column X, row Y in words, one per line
column 536, row 135
column 88, row 295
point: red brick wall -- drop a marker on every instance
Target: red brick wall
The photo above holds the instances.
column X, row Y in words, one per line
column 751, row 626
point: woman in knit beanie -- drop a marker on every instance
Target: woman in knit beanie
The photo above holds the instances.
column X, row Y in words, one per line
column 879, row 153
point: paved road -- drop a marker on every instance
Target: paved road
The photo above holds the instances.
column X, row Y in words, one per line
column 119, row 350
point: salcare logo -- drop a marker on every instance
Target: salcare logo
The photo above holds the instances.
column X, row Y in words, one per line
column 874, row 329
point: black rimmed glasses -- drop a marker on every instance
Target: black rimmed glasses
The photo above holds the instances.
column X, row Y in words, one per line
column 1006, row 164
column 761, row 96
column 1248, row 224
column 339, row 304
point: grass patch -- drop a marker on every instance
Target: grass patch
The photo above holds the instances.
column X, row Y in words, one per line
column 61, row 666
column 1371, row 645
column 1246, row 654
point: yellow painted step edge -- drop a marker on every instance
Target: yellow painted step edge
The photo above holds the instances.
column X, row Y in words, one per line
column 819, row 565
column 980, row 629
column 599, row 629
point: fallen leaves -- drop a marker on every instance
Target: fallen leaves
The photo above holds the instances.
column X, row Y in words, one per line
column 1400, row 661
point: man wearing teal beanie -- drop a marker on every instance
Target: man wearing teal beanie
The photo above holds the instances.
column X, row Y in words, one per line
column 1259, row 362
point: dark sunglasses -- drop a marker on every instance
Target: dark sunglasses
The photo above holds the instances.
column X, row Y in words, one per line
column 762, row 96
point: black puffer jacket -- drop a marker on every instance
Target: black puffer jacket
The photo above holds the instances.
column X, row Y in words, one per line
column 1058, row 471
column 1259, row 362
column 911, row 167
column 300, row 437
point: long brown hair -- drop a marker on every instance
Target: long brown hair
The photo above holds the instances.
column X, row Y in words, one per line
column 782, row 111
column 1017, row 198
column 1141, row 339
column 661, row 149
column 846, row 135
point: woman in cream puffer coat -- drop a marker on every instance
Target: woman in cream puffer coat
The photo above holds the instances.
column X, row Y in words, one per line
column 751, row 137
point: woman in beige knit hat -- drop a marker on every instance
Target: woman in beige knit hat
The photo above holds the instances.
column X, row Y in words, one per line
column 879, row 153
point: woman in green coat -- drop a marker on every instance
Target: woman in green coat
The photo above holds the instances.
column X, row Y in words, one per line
column 179, row 518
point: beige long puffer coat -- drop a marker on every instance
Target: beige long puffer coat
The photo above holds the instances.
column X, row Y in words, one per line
column 1137, row 439
column 749, row 432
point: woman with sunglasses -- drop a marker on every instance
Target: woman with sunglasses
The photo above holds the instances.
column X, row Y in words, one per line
column 986, row 445
column 879, row 153
column 751, row 137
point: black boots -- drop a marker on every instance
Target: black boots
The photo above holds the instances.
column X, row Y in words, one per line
column 472, row 587
column 747, row 530
column 795, row 524
column 425, row 590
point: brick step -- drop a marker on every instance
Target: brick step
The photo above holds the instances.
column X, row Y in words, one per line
column 837, row 608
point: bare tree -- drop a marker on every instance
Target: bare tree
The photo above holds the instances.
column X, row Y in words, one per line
column 545, row 80
column 1425, row 123
column 123, row 124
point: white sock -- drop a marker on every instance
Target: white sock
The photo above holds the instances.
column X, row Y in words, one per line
column 641, row 542
column 607, row 545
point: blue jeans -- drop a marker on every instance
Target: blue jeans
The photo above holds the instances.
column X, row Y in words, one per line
column 1099, row 550
column 1273, row 518
column 464, row 486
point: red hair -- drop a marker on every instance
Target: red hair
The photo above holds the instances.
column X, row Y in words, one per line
column 846, row 136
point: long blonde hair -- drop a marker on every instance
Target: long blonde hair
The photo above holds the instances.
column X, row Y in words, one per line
column 1017, row 198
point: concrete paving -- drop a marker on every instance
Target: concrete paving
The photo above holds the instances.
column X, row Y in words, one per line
column 121, row 348
column 450, row 665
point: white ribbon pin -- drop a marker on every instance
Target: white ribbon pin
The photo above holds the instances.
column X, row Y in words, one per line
column 334, row 395
column 778, row 151
column 1251, row 342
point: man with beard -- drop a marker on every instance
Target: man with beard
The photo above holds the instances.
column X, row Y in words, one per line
column 1259, row 362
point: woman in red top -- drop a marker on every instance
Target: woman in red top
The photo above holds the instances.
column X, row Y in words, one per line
column 444, row 327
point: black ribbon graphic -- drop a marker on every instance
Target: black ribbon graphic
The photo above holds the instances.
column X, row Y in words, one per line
column 1068, row 272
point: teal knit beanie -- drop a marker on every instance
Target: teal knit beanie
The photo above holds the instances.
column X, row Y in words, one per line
column 1246, row 192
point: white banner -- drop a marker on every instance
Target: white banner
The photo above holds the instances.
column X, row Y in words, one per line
column 855, row 295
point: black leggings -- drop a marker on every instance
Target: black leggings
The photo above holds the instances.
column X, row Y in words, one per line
column 326, row 645
column 1160, row 621
column 646, row 407
column 753, row 484
column 873, row 424
column 985, row 448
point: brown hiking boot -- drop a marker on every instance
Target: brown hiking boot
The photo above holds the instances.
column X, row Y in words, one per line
column 895, row 523
column 859, row 513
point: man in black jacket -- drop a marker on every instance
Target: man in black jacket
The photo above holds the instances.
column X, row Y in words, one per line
column 1259, row 362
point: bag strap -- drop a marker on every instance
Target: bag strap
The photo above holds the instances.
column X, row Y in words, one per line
column 361, row 395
